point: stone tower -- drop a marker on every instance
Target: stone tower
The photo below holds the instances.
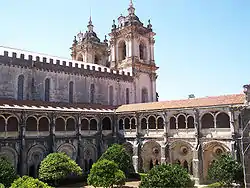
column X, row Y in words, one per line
column 132, row 49
column 89, row 49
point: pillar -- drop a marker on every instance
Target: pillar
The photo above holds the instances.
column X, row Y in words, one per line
column 135, row 157
column 22, row 161
column 52, row 133
column 163, row 154
column 79, row 139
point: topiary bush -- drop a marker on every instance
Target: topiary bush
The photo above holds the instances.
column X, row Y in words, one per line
column 119, row 155
column 167, row 175
column 226, row 170
column 28, row 182
column 106, row 173
column 7, row 172
column 57, row 166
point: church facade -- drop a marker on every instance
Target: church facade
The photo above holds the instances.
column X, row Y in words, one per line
column 107, row 94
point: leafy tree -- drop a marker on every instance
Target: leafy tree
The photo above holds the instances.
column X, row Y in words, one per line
column 119, row 155
column 105, row 173
column 2, row 185
column 226, row 170
column 26, row 181
column 7, row 172
column 167, row 175
column 57, row 166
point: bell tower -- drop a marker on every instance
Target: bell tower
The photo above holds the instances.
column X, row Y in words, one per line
column 132, row 49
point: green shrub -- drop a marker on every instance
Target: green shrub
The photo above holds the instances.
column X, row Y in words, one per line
column 2, row 185
column 7, row 172
column 57, row 166
column 105, row 173
column 119, row 155
column 226, row 170
column 28, row 182
column 167, row 175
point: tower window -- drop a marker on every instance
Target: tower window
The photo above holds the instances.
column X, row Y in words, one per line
column 20, row 85
column 127, row 95
column 122, row 50
column 71, row 88
column 111, row 95
column 144, row 95
column 92, row 93
column 141, row 50
column 80, row 57
column 96, row 59
column 47, row 89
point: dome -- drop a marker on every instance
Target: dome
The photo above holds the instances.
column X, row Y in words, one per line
column 90, row 36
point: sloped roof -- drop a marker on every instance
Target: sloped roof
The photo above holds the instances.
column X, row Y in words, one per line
column 186, row 103
column 53, row 106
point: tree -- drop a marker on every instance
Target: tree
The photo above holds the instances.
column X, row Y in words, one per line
column 105, row 173
column 57, row 166
column 26, row 181
column 7, row 172
column 119, row 155
column 226, row 170
column 167, row 175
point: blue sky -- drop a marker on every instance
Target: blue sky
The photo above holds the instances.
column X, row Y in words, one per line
column 202, row 46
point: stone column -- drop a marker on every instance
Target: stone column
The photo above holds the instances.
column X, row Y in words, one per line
column 232, row 128
column 99, row 137
column 163, row 154
column 135, row 157
column 23, row 160
column 79, row 139
column 52, row 133
column 197, row 152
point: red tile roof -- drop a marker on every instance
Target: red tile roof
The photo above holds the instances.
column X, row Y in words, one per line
column 186, row 103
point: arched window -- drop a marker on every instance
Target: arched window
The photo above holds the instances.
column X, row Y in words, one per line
column 144, row 95
column 106, row 124
column 122, row 50
column 190, row 122
column 31, row 124
column 92, row 93
column 151, row 122
column 222, row 120
column 111, row 95
column 143, row 123
column 127, row 95
column 71, row 88
column 12, row 124
column 60, row 124
column 93, row 124
column 207, row 121
column 141, row 50
column 160, row 123
column 133, row 125
column 96, row 60
column 2, row 124
column 120, row 124
column 181, row 122
column 47, row 89
column 70, row 124
column 127, row 123
column 85, row 124
column 20, row 85
column 43, row 124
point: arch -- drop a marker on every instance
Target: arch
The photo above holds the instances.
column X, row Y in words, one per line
column 207, row 121
column 43, row 124
column 93, row 124
column 111, row 95
column 127, row 123
column 143, row 123
column 12, row 124
column 177, row 143
column 127, row 95
column 89, row 155
column 84, row 124
column 144, row 95
column 181, row 121
column 71, row 91
column 172, row 122
column 92, row 93
column 222, row 120
column 80, row 57
column 20, row 87
column 68, row 149
column 151, row 122
column 70, row 124
column 47, row 89
column 10, row 154
column 31, row 124
column 60, row 124
column 211, row 151
column 190, row 122
column 151, row 151
column 106, row 123
column 122, row 51
column 121, row 124
column 133, row 124
column 160, row 123
column 2, row 124
column 142, row 51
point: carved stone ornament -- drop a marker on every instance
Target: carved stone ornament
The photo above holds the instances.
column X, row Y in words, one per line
column 184, row 150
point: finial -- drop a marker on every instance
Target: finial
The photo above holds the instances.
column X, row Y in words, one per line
column 74, row 41
column 105, row 39
column 131, row 8
column 149, row 26
column 131, row 3
column 114, row 26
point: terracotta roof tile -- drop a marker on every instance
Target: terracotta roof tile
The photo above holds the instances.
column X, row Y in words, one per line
column 186, row 103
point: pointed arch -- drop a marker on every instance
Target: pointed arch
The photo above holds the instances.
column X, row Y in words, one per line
column 133, row 124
